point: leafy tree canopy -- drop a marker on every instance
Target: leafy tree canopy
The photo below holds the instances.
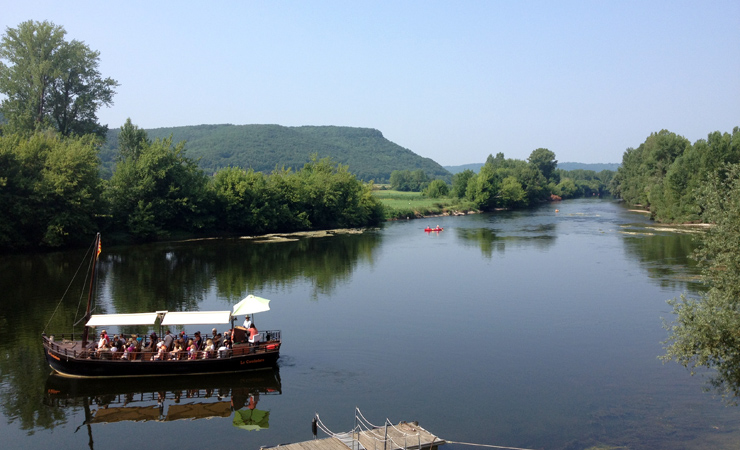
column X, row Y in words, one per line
column 665, row 173
column 50, row 82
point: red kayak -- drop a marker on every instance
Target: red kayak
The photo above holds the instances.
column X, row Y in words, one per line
column 427, row 229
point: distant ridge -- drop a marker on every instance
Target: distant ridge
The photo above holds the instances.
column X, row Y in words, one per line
column 597, row 167
column 369, row 155
column 457, row 169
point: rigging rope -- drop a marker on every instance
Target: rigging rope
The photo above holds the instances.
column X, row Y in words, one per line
column 486, row 445
column 65, row 293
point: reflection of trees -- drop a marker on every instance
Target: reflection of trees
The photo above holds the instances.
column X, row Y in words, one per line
column 492, row 240
column 172, row 276
column 176, row 276
column 323, row 261
column 667, row 258
column 31, row 287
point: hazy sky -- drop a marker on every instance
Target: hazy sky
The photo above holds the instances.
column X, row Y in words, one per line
column 453, row 81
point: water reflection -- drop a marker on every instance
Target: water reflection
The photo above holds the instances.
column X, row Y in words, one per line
column 665, row 256
column 165, row 399
column 176, row 276
column 492, row 240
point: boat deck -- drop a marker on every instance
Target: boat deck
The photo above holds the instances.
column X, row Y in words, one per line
column 73, row 349
column 406, row 436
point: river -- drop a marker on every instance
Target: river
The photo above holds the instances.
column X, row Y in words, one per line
column 529, row 329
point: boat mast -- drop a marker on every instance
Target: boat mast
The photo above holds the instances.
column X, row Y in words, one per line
column 96, row 252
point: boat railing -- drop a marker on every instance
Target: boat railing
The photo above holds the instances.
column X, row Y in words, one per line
column 269, row 342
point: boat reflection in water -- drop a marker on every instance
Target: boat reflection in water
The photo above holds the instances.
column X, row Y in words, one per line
column 166, row 399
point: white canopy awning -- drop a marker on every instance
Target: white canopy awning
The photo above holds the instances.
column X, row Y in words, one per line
column 196, row 317
column 121, row 319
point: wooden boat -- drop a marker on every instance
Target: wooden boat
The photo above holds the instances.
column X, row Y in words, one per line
column 77, row 355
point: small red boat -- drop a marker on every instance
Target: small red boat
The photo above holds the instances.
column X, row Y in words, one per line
column 429, row 230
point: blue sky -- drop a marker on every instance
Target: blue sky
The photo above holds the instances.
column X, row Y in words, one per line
column 453, row 81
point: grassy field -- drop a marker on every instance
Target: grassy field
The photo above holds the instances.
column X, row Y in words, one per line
column 402, row 205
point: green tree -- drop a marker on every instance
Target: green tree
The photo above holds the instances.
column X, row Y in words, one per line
column 512, row 194
column 50, row 82
column 460, row 183
column 407, row 180
column 243, row 202
column 566, row 188
column 544, row 160
column 705, row 330
column 436, row 189
column 132, row 140
column 483, row 189
column 159, row 191
column 49, row 190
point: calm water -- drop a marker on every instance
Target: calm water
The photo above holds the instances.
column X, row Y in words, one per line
column 530, row 329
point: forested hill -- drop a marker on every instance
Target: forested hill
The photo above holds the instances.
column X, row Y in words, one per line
column 368, row 154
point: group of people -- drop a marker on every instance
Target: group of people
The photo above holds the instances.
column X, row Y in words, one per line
column 184, row 347
column 170, row 347
column 120, row 344
column 173, row 347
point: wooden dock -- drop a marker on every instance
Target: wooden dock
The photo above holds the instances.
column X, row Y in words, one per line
column 403, row 436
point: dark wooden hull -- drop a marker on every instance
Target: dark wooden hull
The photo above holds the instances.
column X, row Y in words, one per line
column 242, row 359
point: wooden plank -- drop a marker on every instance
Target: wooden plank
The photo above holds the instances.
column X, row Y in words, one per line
column 401, row 436
column 331, row 443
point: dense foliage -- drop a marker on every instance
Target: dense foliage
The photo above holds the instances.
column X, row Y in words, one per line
column 665, row 172
column 265, row 147
column 49, row 82
column 409, row 181
column 512, row 183
column 49, row 189
column 705, row 330
column 51, row 193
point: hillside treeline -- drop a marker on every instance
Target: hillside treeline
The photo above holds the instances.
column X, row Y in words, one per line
column 369, row 155
column 52, row 194
column 665, row 173
column 509, row 183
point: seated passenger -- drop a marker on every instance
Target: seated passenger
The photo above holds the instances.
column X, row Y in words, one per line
column 192, row 350
column 176, row 350
column 153, row 341
column 130, row 349
column 208, row 351
column 226, row 345
column 161, row 352
column 114, row 346
column 254, row 337
column 104, row 342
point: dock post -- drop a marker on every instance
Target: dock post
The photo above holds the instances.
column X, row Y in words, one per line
column 385, row 439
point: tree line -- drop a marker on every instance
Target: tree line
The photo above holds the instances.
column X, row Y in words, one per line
column 666, row 173
column 51, row 193
column 509, row 183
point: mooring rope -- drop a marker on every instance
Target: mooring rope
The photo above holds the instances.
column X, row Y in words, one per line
column 486, row 445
